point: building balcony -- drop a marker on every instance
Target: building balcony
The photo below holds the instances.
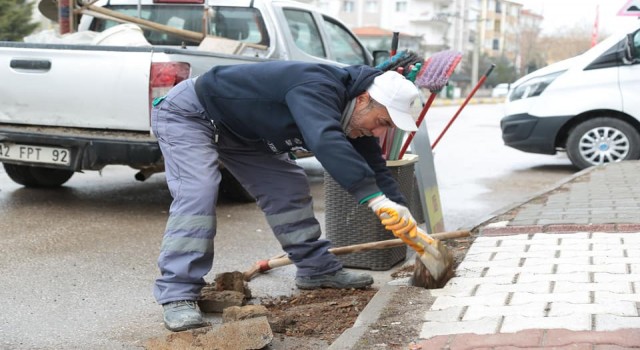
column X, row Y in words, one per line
column 440, row 20
column 444, row 2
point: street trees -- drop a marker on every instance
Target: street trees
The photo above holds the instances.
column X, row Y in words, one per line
column 565, row 43
column 15, row 19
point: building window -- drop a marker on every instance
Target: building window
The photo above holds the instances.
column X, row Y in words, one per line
column 495, row 45
column 489, row 24
column 401, row 6
column 347, row 6
column 498, row 6
column 372, row 6
column 497, row 26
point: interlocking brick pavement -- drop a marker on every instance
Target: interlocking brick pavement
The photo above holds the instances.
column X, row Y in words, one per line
column 536, row 339
column 592, row 288
column 560, row 271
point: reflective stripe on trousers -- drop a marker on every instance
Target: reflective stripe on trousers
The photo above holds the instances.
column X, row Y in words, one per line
column 192, row 170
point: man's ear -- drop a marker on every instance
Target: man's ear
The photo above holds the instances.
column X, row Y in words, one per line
column 363, row 99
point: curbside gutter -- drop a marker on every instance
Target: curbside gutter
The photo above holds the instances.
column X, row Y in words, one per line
column 486, row 220
column 348, row 339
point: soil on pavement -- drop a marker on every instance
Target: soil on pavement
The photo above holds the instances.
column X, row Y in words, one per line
column 318, row 315
column 315, row 319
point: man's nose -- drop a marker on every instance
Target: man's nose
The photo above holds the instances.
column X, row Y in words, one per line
column 379, row 131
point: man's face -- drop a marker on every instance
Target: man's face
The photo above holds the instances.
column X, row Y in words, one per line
column 369, row 118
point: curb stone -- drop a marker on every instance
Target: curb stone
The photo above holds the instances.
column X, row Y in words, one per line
column 509, row 207
column 368, row 316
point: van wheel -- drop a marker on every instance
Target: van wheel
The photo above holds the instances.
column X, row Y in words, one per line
column 231, row 189
column 33, row 176
column 602, row 140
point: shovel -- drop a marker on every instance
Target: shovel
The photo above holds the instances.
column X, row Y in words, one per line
column 265, row 265
column 433, row 254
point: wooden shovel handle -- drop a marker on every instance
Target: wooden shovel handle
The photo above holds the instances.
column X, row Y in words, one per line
column 266, row 265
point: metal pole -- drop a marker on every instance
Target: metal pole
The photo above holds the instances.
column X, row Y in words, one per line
column 475, row 58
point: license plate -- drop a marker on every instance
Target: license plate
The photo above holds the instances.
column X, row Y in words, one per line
column 35, row 154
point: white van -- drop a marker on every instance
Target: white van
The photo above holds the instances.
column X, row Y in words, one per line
column 588, row 105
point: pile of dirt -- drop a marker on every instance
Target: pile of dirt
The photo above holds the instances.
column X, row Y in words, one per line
column 312, row 320
column 323, row 314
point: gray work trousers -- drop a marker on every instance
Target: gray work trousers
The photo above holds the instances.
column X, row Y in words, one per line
column 192, row 156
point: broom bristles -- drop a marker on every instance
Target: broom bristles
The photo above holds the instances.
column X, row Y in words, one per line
column 437, row 70
column 404, row 60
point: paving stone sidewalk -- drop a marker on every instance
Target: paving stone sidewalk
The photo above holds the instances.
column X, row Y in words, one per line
column 561, row 271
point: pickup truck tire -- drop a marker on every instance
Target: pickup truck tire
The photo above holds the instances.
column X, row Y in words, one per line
column 232, row 190
column 602, row 140
column 31, row 176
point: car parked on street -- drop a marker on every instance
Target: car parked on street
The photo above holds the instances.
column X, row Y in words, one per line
column 500, row 90
column 587, row 105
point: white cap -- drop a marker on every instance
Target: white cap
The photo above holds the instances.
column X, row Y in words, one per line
column 393, row 91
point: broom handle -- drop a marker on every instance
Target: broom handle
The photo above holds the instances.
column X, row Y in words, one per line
column 418, row 122
column 266, row 265
column 475, row 88
column 394, row 43
column 392, row 52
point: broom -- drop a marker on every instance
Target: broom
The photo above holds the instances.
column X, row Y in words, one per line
column 433, row 75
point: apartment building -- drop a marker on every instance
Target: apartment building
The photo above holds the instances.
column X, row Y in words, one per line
column 493, row 28
column 499, row 29
column 428, row 25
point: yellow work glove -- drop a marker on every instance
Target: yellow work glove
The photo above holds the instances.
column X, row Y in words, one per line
column 395, row 217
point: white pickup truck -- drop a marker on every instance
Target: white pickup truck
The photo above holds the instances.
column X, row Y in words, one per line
column 68, row 108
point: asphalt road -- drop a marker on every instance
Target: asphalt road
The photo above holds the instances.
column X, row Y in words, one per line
column 79, row 262
column 477, row 174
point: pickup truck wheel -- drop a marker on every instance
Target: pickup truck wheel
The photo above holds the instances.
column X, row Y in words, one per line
column 231, row 189
column 602, row 140
column 37, row 176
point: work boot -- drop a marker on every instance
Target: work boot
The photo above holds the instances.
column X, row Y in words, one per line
column 340, row 279
column 182, row 315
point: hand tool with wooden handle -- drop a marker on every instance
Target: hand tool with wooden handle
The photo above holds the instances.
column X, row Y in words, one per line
column 432, row 252
column 268, row 264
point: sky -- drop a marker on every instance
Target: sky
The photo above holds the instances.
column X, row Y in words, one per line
column 569, row 13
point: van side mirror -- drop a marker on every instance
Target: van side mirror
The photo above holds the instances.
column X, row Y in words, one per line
column 632, row 47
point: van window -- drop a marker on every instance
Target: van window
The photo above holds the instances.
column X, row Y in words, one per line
column 237, row 23
column 305, row 32
column 344, row 47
